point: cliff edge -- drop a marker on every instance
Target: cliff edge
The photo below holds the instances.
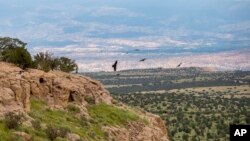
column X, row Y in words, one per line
column 75, row 102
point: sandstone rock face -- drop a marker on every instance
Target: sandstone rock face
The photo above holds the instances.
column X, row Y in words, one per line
column 59, row 89
column 55, row 87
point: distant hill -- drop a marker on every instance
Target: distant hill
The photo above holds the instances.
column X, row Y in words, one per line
column 159, row 79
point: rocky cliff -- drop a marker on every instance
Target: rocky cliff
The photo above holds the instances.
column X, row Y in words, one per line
column 58, row 90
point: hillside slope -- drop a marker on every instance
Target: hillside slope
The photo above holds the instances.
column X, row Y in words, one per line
column 75, row 104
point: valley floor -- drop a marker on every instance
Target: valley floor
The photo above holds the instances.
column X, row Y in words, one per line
column 196, row 104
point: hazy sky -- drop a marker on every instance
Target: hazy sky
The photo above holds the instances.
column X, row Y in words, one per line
column 97, row 32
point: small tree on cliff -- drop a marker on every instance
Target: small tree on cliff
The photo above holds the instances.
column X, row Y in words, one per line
column 46, row 62
column 13, row 51
column 67, row 65
column 7, row 42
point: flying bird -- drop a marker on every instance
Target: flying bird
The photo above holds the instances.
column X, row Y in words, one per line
column 142, row 59
column 179, row 65
column 115, row 65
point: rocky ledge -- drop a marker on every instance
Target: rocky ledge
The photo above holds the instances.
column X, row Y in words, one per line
column 58, row 90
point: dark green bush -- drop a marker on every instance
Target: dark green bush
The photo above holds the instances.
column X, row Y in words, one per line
column 18, row 56
column 12, row 120
column 115, row 102
column 63, row 131
column 84, row 121
column 36, row 124
column 67, row 65
column 90, row 99
column 13, row 51
column 53, row 132
column 46, row 62
column 72, row 108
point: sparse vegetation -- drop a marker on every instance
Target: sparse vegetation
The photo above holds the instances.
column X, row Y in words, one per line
column 196, row 105
column 4, row 131
column 54, row 124
column 109, row 115
column 196, row 117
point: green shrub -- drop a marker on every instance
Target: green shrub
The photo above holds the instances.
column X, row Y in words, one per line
column 18, row 56
column 84, row 121
column 13, row 50
column 46, row 61
column 12, row 120
column 106, row 135
column 52, row 132
column 114, row 101
column 63, row 131
column 92, row 134
column 67, row 65
column 36, row 124
column 90, row 99
column 72, row 108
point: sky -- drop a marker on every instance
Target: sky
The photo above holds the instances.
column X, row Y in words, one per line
column 95, row 33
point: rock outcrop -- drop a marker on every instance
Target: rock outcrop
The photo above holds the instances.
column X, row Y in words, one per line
column 59, row 89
